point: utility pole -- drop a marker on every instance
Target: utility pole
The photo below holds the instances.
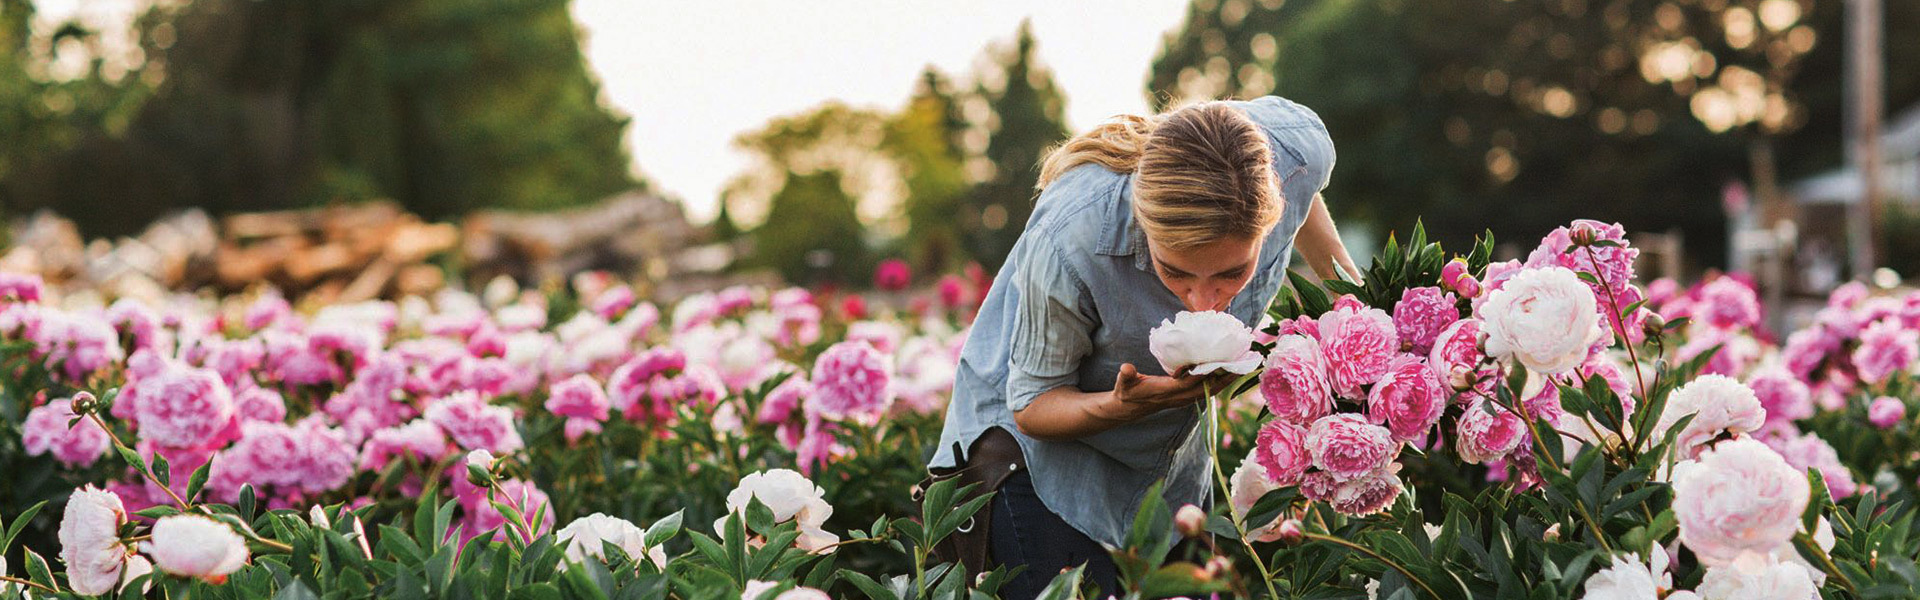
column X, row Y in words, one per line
column 1863, row 148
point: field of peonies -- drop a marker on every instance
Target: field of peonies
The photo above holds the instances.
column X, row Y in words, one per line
column 1452, row 427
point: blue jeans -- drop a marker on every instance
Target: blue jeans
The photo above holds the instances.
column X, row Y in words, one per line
column 1026, row 533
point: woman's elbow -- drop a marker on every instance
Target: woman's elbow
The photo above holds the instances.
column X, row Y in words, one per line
column 1030, row 424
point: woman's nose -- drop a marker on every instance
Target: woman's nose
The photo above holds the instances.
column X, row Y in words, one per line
column 1202, row 299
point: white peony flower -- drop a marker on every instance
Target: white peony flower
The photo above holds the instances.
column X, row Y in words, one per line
column 1721, row 405
column 1208, row 341
column 90, row 541
column 1757, row 577
column 1740, row 497
column 1249, row 483
column 1543, row 318
column 586, row 537
column 196, row 546
column 789, row 495
column 1630, row 579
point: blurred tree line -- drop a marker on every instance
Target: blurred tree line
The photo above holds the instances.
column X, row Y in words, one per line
column 945, row 180
column 442, row 105
column 1520, row 116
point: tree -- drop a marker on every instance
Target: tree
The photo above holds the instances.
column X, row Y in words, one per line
column 1027, row 116
column 443, row 105
column 925, row 138
column 1518, row 115
column 812, row 234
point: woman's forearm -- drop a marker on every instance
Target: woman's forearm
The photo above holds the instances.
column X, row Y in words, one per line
column 1066, row 413
column 1319, row 243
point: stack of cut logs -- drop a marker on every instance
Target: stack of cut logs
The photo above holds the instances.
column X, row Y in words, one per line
column 371, row 250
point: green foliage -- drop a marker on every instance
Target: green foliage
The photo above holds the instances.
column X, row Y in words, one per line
column 443, row 105
column 1442, row 108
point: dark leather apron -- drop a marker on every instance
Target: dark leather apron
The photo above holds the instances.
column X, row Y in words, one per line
column 995, row 455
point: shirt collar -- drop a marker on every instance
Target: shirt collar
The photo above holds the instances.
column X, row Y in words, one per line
column 1119, row 234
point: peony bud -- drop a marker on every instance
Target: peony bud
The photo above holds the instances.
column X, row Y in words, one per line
column 1455, row 276
column 480, row 468
column 1583, row 235
column 1653, row 324
column 1290, row 533
column 1552, row 534
column 1191, row 521
column 84, row 403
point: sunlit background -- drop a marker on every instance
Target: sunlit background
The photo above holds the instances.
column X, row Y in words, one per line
column 811, row 140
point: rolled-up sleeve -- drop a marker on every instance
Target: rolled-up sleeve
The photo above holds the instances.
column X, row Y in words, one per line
column 1052, row 326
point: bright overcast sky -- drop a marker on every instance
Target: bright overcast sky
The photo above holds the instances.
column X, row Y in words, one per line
column 695, row 74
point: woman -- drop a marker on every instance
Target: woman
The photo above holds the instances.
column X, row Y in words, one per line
column 1058, row 403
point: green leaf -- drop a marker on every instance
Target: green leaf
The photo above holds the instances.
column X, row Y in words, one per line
column 20, row 523
column 663, row 530
column 199, row 480
column 37, row 570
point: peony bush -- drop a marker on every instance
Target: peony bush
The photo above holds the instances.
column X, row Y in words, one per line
column 1449, row 426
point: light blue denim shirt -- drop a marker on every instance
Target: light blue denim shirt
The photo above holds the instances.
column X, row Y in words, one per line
column 1076, row 299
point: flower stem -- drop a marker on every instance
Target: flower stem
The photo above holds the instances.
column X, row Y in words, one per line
column 145, row 470
column 1826, row 562
column 28, row 584
column 1220, row 475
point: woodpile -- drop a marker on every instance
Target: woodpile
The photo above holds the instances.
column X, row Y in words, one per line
column 364, row 251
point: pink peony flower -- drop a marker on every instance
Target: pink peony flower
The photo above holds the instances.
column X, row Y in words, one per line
column 1369, row 493
column 196, row 546
column 1806, row 350
column 614, row 302
column 1740, row 496
column 255, row 403
column 1357, row 343
column 582, row 402
column 893, row 274
column 21, row 287
column 419, row 439
column 79, row 344
column 1726, row 303
column 1294, row 383
column 952, row 291
column 45, row 431
column 183, row 407
column 850, row 379
column 1409, row 398
column 780, row 404
column 1783, row 396
column 1804, row 451
column 1282, row 451
column 1456, row 356
column 1886, row 349
column 473, row 424
column 1848, row 295
column 90, row 541
column 628, row 386
column 1543, row 318
column 1886, row 412
column 1345, row 446
column 1488, row 432
column 1614, row 264
column 1208, row 341
column 1721, row 407
column 1421, row 315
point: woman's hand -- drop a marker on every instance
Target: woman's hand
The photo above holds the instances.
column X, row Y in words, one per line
column 1319, row 243
column 1136, row 396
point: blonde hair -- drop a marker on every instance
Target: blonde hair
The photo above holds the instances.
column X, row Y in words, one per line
column 1200, row 173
